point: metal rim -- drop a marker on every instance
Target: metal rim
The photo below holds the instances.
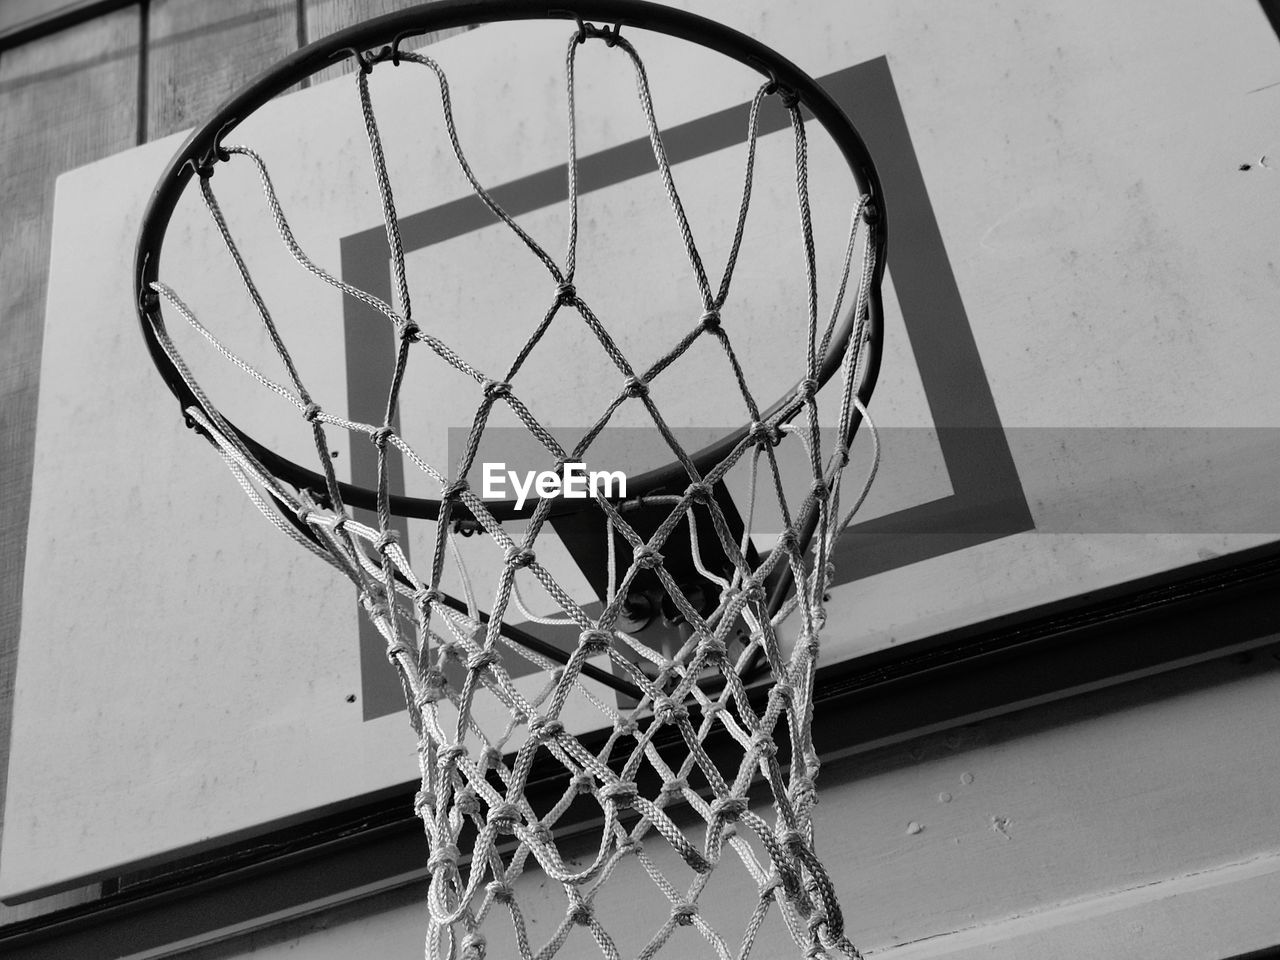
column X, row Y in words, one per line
column 390, row 31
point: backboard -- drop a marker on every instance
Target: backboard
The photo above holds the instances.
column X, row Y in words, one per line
column 1075, row 391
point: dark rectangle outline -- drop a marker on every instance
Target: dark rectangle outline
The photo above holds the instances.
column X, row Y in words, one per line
column 987, row 500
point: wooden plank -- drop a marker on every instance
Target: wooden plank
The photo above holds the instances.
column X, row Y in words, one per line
column 18, row 14
column 324, row 17
column 199, row 53
column 1226, row 912
column 25, row 20
column 1134, row 821
column 67, row 99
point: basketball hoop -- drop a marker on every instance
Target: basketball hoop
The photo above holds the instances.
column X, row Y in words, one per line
column 676, row 542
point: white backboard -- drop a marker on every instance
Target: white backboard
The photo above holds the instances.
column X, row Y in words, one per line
column 1077, row 390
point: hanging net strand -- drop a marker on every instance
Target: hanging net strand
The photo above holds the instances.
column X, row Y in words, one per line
column 474, row 794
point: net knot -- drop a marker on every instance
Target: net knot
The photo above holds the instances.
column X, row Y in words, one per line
column 728, row 809
column 583, row 782
column 455, row 490
column 626, row 728
column 794, row 843
column 503, row 817
column 376, row 606
column 433, row 689
column 713, row 651
column 543, row 729
column 467, row 802
column 444, row 857
column 783, row 691
column 473, row 946
column 501, row 891
column 827, row 914
column 491, row 759
column 820, row 488
column 710, row 321
column 622, row 794
column 424, row 801
column 842, row 454
column 667, row 710
column 763, row 433
column 807, row 388
column 762, row 745
column 594, row 642
column 788, row 541
column 683, row 913
column 450, row 755
column 303, row 513
column 581, row 913
column 699, row 492
column 519, row 558
column 566, row 292
column 753, row 590
column 812, row 764
column 482, row 660
column 381, row 436
column 803, row 788
column 424, row 598
column 674, row 786
column 386, row 539
column 647, row 558
column 410, row 331
column 397, row 650
column 634, row 387
column 496, row 388
column 310, row 412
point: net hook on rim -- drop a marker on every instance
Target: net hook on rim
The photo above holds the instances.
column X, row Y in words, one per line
column 609, row 34
column 217, row 153
column 790, row 99
column 395, row 47
column 368, row 59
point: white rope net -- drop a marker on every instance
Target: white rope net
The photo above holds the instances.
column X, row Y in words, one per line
column 482, row 830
